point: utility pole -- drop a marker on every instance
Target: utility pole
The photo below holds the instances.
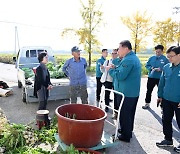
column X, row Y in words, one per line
column 176, row 11
column 16, row 39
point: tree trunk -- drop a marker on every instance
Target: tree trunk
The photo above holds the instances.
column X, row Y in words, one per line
column 89, row 52
column 89, row 59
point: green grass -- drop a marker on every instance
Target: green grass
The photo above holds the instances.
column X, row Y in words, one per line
column 8, row 58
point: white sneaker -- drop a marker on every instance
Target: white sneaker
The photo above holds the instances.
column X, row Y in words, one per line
column 146, row 106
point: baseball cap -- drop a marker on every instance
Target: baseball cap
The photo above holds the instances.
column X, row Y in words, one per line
column 75, row 49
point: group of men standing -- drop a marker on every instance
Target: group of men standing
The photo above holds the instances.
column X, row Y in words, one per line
column 163, row 72
column 123, row 74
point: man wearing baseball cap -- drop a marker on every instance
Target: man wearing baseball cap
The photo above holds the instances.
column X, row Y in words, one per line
column 75, row 69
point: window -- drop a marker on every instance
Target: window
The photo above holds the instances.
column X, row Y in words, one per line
column 33, row 53
column 39, row 51
column 27, row 53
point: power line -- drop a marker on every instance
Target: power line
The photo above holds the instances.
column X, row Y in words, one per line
column 29, row 25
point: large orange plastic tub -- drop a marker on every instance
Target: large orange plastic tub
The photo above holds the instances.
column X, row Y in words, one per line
column 86, row 130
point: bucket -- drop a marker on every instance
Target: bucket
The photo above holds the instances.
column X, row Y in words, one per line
column 42, row 119
column 85, row 130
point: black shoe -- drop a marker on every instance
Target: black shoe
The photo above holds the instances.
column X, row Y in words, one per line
column 121, row 138
column 165, row 143
column 106, row 109
column 115, row 116
column 119, row 131
column 146, row 106
column 177, row 149
column 110, row 100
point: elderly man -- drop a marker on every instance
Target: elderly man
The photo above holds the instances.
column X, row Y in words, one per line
column 75, row 69
column 127, row 77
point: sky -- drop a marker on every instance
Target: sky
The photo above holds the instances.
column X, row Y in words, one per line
column 40, row 22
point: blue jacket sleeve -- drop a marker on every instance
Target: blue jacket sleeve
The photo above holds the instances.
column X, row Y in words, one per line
column 65, row 67
column 148, row 65
column 112, row 72
column 124, row 69
column 161, row 85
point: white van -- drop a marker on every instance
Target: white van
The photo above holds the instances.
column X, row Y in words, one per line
column 27, row 57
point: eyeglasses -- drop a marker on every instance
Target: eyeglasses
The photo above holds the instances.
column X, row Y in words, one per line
column 171, row 56
column 114, row 53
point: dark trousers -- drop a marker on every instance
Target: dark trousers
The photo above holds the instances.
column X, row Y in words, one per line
column 151, row 83
column 42, row 94
column 117, row 101
column 168, row 112
column 98, row 89
column 42, row 105
column 79, row 90
column 108, row 85
column 127, row 115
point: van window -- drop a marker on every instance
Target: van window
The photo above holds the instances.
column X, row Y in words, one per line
column 39, row 51
column 27, row 53
column 33, row 53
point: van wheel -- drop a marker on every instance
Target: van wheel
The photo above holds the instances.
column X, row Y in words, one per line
column 23, row 96
column 19, row 84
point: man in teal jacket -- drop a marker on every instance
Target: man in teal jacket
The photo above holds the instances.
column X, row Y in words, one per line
column 154, row 65
column 99, row 63
column 169, row 95
column 127, row 77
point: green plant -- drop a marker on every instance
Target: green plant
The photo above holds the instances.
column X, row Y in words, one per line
column 55, row 71
column 91, row 69
column 18, row 138
column 28, row 72
column 70, row 116
column 13, row 137
column 144, row 71
column 28, row 150
column 47, row 135
column 72, row 150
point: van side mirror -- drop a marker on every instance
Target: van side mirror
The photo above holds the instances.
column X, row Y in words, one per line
column 14, row 59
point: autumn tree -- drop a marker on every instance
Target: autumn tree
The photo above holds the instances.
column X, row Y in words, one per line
column 92, row 18
column 140, row 26
column 165, row 32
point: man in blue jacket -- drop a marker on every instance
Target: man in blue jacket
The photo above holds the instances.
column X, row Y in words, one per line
column 99, row 64
column 75, row 69
column 169, row 95
column 154, row 66
column 127, row 78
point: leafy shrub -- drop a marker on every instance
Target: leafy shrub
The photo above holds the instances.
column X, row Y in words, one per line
column 144, row 71
column 6, row 58
column 55, row 71
column 91, row 69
